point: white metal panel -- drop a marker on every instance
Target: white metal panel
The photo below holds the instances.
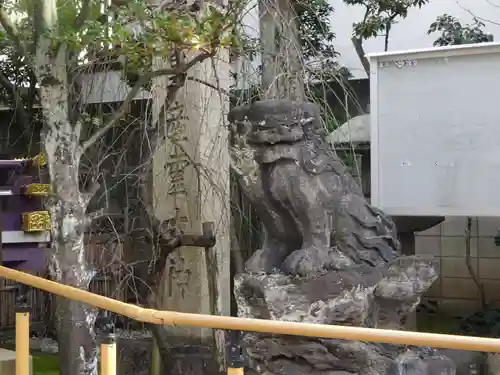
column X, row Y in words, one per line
column 437, row 52
column 106, row 87
column 436, row 131
column 18, row 236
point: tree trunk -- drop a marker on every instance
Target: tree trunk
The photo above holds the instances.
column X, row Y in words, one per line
column 282, row 65
column 67, row 208
column 74, row 321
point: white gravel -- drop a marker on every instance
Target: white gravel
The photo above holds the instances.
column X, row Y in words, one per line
column 48, row 345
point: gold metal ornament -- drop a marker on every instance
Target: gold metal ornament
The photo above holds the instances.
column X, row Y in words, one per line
column 37, row 190
column 36, row 221
column 39, row 160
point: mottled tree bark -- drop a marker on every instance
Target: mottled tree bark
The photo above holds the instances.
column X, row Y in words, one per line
column 63, row 146
column 68, row 205
column 282, row 66
column 68, row 208
column 74, row 321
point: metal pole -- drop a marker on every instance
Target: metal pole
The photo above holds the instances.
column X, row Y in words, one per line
column 22, row 332
column 480, row 344
column 108, row 348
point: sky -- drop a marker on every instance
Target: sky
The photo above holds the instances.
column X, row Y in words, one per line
column 411, row 32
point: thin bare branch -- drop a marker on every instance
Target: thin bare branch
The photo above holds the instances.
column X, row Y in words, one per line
column 121, row 112
column 91, row 216
column 358, row 46
column 92, row 191
column 485, row 20
column 208, row 84
column 125, row 106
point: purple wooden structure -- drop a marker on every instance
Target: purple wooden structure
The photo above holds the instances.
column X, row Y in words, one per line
column 25, row 226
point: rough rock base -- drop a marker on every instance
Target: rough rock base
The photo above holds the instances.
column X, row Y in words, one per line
column 364, row 296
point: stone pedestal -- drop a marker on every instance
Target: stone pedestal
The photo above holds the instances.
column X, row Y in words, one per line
column 407, row 226
column 8, row 362
column 360, row 295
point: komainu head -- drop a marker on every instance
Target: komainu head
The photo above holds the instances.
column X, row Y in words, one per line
column 273, row 121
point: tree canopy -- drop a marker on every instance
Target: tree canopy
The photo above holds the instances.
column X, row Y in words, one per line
column 453, row 32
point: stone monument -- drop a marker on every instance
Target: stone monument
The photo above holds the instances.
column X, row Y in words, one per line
column 328, row 256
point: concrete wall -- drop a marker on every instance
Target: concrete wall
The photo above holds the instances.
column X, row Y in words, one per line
column 455, row 291
column 8, row 362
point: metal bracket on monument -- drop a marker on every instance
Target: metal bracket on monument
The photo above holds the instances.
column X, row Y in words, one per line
column 21, row 296
column 106, row 326
column 206, row 239
column 234, row 352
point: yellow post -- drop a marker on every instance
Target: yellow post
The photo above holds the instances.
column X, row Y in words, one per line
column 235, row 371
column 108, row 358
column 22, row 342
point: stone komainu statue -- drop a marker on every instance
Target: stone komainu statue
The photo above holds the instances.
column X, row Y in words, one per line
column 315, row 216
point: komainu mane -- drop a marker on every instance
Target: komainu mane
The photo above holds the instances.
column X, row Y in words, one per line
column 315, row 216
